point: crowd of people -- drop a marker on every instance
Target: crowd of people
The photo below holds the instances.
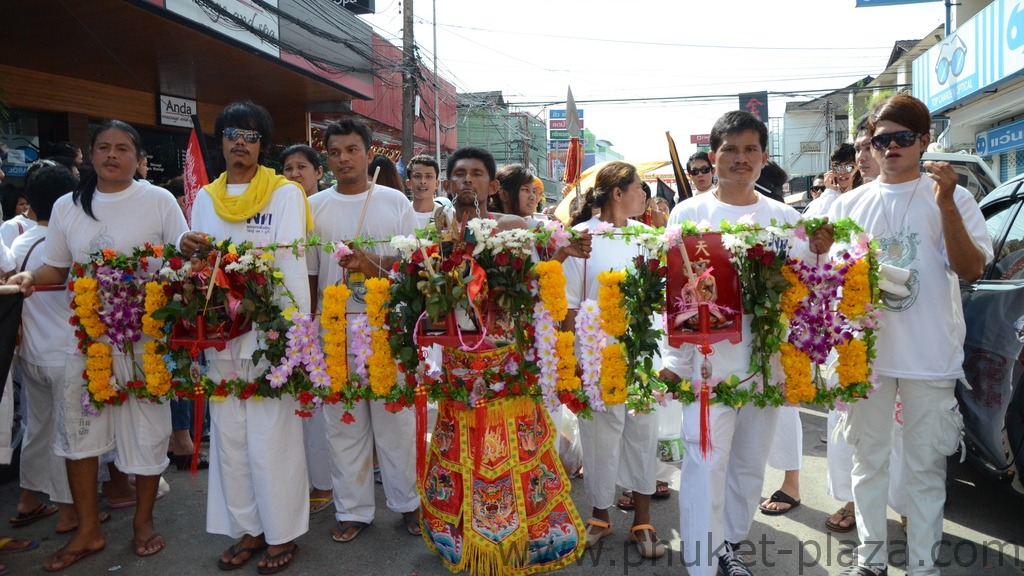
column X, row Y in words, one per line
column 263, row 487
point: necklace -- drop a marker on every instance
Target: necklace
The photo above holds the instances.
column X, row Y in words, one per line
column 906, row 212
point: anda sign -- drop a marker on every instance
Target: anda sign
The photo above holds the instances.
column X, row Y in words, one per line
column 176, row 111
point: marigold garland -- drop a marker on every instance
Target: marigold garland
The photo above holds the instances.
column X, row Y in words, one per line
column 609, row 300
column 551, row 286
column 564, row 348
column 382, row 370
column 87, row 305
column 155, row 300
column 856, row 289
column 796, row 365
column 335, row 324
column 613, row 373
column 796, row 292
column 158, row 378
column 853, row 363
column 99, row 371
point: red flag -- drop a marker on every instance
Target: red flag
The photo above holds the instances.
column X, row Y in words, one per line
column 573, row 163
column 195, row 176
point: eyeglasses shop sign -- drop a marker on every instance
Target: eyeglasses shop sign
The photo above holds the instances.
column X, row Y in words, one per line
column 176, row 111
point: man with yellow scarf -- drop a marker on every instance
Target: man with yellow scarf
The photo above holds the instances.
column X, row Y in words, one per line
column 255, row 494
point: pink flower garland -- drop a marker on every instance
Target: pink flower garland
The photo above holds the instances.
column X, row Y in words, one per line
column 592, row 339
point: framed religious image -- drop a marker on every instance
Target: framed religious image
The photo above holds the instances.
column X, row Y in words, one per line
column 700, row 275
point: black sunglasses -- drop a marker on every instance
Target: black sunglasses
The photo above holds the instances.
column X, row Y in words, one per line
column 903, row 138
column 704, row 170
column 817, row 188
column 250, row 136
column 847, row 168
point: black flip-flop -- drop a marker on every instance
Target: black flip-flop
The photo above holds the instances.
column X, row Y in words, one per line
column 280, row 567
column 40, row 512
column 779, row 496
column 344, row 526
column 237, row 551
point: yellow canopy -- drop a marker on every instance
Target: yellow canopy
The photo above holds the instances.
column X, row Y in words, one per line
column 587, row 180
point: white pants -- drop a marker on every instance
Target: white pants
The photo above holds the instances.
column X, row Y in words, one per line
column 351, row 447
column 788, row 440
column 258, row 482
column 41, row 469
column 139, row 430
column 927, row 426
column 839, row 459
column 318, row 455
column 719, row 495
column 618, row 447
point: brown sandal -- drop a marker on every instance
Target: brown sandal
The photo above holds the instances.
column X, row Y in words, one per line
column 844, row 513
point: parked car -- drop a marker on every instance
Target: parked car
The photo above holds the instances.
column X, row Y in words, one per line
column 975, row 174
column 992, row 396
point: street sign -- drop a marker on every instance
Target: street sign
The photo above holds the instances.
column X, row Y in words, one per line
column 870, row 3
column 561, row 124
column 559, row 114
column 1000, row 139
column 700, row 139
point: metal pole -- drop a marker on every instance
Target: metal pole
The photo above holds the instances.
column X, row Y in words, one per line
column 437, row 88
column 949, row 19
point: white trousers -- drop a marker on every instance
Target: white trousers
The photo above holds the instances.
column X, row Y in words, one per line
column 351, row 447
column 139, row 430
column 718, row 495
column 318, row 456
column 258, row 482
column 41, row 469
column 618, row 447
column 788, row 441
column 839, row 459
column 928, row 423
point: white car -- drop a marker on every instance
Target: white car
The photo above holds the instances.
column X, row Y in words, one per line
column 975, row 174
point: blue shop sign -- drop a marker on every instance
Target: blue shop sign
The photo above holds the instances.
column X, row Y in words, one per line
column 869, row 3
column 983, row 52
column 1000, row 139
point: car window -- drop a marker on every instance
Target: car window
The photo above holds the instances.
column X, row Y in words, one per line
column 1009, row 260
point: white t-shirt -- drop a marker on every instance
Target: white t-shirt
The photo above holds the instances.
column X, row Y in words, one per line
column 423, row 218
column 44, row 319
column 606, row 254
column 282, row 221
column 124, row 221
column 336, row 218
column 922, row 335
column 820, row 206
column 728, row 358
column 14, row 227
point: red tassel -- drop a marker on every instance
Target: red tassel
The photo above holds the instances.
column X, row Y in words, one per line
column 420, row 407
column 705, row 421
column 197, row 432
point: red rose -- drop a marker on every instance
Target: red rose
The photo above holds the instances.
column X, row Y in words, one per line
column 306, row 397
column 653, row 265
column 501, row 259
column 768, row 258
column 410, row 268
column 175, row 263
column 247, row 391
column 517, row 263
column 756, row 252
column 303, row 413
column 261, row 279
column 447, row 265
column 347, row 418
column 394, row 407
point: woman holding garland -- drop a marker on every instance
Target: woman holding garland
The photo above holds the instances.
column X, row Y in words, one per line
column 613, row 435
column 109, row 210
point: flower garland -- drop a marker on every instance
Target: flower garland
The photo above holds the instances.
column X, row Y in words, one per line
column 383, row 372
column 158, row 377
column 555, row 348
column 100, row 374
column 591, row 338
column 614, row 324
column 643, row 289
column 334, row 321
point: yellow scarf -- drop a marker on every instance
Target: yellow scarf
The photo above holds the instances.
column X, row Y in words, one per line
column 255, row 197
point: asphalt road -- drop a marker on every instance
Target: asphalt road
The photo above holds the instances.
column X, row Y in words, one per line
column 984, row 534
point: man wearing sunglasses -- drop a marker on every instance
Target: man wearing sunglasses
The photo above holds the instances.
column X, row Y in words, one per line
column 928, row 225
column 255, row 494
column 702, row 173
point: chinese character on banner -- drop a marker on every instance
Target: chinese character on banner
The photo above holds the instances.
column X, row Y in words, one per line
column 756, row 103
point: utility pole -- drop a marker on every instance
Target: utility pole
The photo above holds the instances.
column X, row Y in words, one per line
column 409, row 69
column 437, row 89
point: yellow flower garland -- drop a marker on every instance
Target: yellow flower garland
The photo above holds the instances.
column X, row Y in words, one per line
column 609, row 301
column 382, row 369
column 335, row 325
column 565, row 349
column 158, row 378
column 797, row 367
column 853, row 362
column 87, row 304
column 155, row 299
column 551, row 288
column 551, row 285
column 856, row 289
column 796, row 292
column 99, row 371
column 613, row 374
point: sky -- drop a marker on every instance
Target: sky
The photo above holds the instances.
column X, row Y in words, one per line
column 706, row 50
